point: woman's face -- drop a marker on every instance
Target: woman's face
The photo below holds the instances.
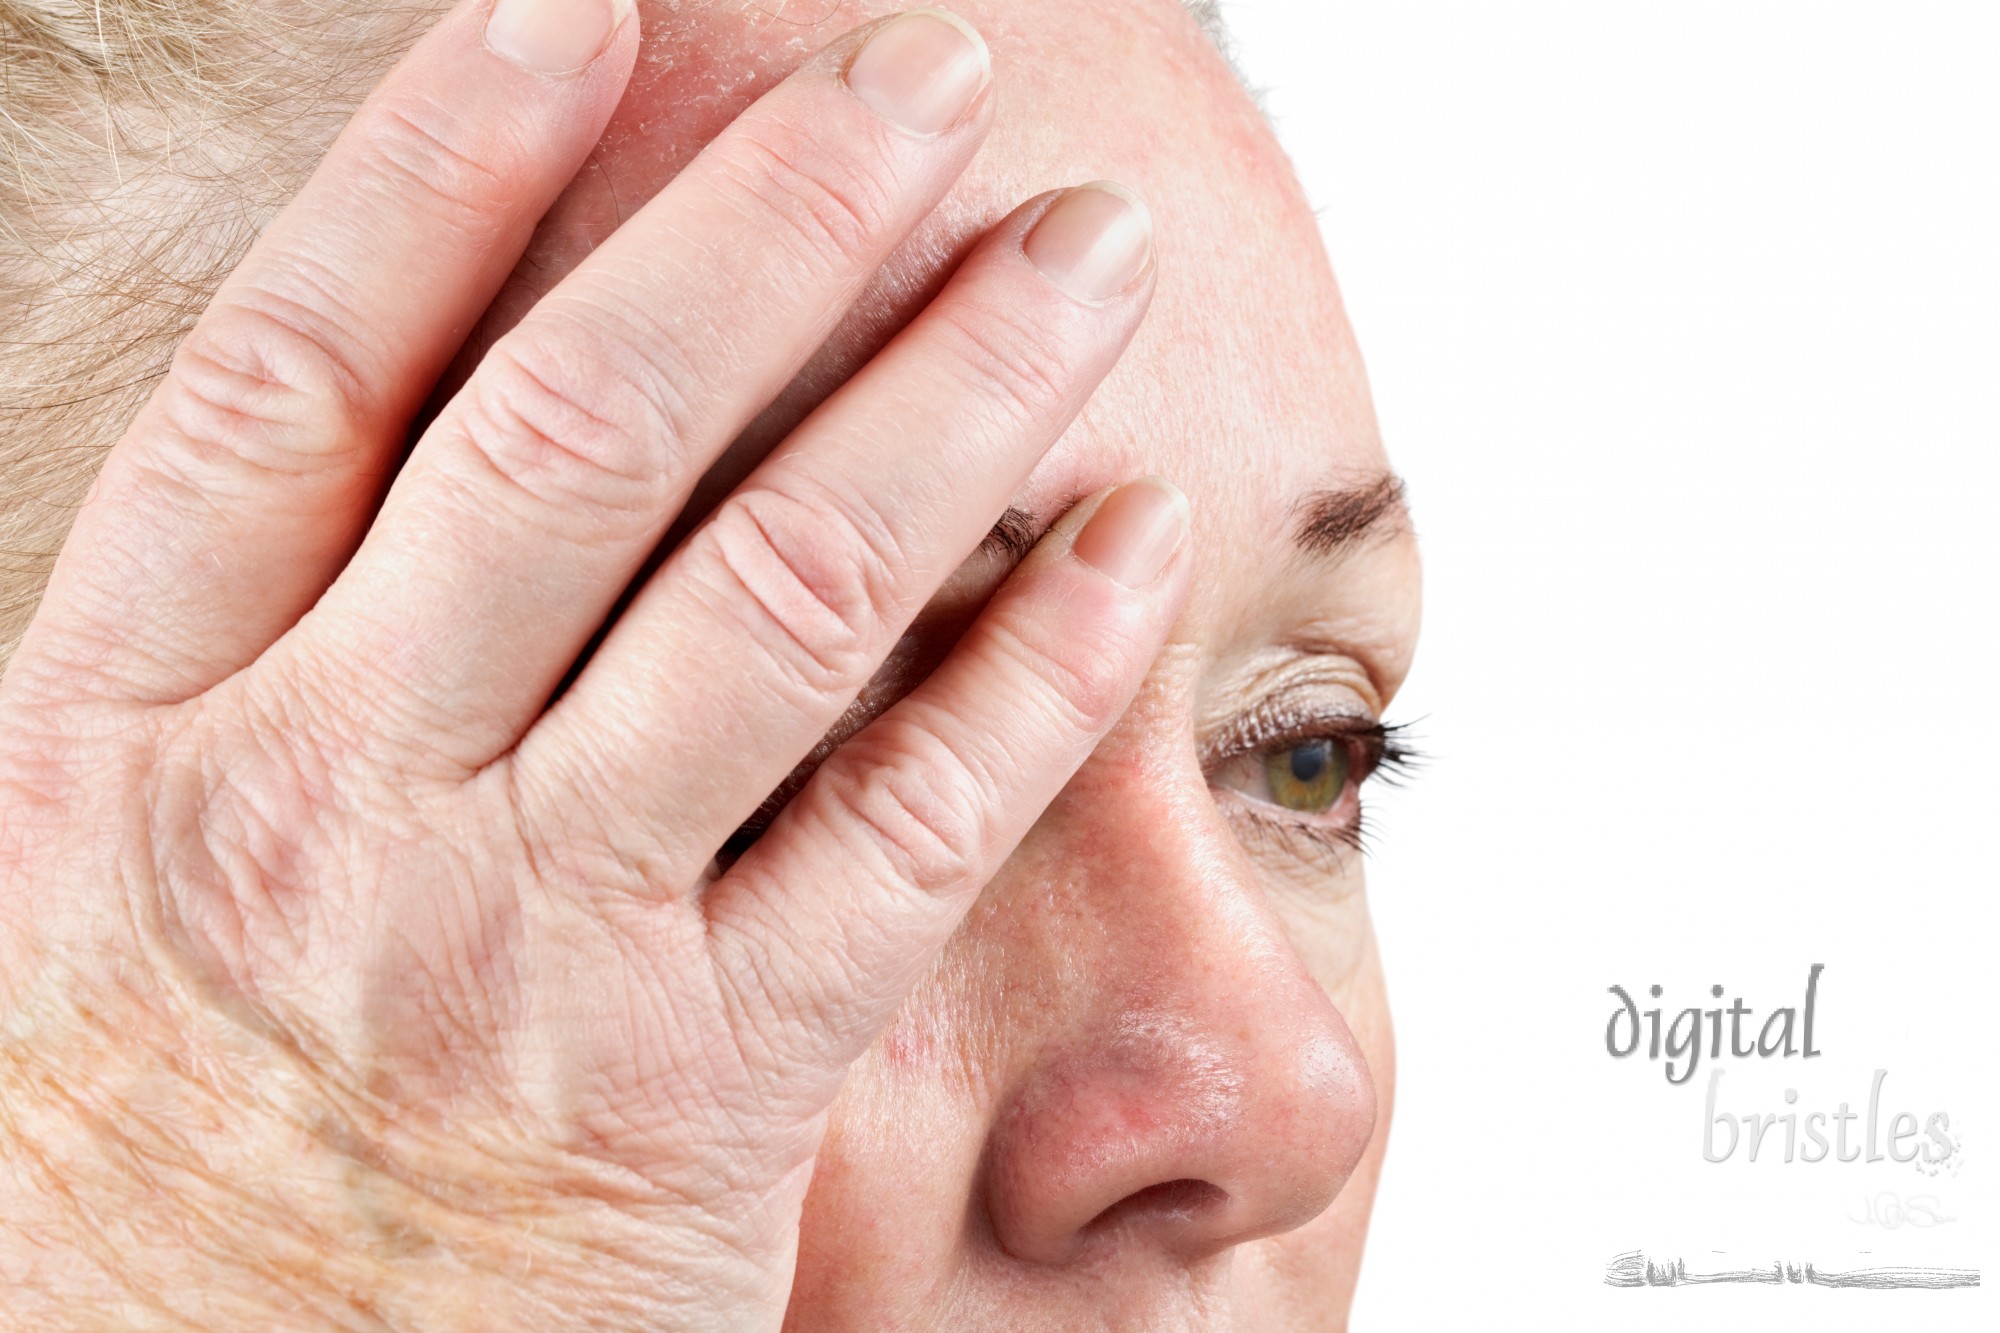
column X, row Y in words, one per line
column 1147, row 1085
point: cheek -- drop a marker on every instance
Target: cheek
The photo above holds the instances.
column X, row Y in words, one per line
column 1325, row 919
column 885, row 1219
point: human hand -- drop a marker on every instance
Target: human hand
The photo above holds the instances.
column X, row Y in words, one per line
column 364, row 953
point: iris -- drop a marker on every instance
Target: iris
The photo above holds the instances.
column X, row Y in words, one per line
column 1309, row 777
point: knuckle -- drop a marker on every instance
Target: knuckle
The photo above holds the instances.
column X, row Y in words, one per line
column 813, row 580
column 562, row 417
column 902, row 799
column 831, row 205
column 1010, row 365
column 249, row 810
column 264, row 383
column 459, row 174
column 1081, row 681
column 787, row 996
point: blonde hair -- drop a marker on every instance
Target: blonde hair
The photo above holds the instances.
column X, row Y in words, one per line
column 143, row 145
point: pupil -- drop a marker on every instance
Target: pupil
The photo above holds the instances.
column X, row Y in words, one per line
column 1309, row 761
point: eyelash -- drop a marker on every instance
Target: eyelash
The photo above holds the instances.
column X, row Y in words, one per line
column 1376, row 750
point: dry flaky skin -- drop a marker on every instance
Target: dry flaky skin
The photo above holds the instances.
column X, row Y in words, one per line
column 143, row 145
column 1287, row 410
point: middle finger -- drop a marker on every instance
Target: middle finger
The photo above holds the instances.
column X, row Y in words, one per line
column 536, row 495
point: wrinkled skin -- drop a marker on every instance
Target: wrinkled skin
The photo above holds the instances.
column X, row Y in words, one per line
column 1147, row 1084
column 1153, row 990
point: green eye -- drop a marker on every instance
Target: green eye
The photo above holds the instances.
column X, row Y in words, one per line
column 1308, row 777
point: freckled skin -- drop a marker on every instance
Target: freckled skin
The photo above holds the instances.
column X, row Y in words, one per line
column 1147, row 995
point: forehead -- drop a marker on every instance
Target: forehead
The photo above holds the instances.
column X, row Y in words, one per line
column 1243, row 384
column 1245, row 366
column 1247, row 343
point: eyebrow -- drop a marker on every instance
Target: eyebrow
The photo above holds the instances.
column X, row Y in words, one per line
column 1333, row 522
column 1013, row 536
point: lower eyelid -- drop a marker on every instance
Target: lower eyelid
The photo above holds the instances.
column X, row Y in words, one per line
column 1333, row 816
column 1270, row 831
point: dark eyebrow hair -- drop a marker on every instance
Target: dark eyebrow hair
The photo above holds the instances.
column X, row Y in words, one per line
column 1330, row 521
column 1013, row 536
column 1333, row 521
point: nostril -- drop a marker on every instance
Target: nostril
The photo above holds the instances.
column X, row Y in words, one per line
column 1175, row 1133
column 1168, row 1200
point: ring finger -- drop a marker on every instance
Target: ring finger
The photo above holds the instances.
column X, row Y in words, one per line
column 756, row 635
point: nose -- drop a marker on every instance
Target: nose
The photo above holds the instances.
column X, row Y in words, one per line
column 1198, row 1088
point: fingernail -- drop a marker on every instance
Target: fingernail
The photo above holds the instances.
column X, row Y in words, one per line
column 1093, row 242
column 553, row 36
column 921, row 70
column 1135, row 532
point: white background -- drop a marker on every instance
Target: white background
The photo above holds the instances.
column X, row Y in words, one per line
column 1684, row 325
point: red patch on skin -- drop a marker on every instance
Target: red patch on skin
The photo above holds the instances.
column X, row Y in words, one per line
column 899, row 1046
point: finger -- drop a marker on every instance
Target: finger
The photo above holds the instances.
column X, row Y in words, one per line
column 802, row 580
column 823, row 926
column 533, row 499
column 249, row 476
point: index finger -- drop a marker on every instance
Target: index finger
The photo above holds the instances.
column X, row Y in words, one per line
column 249, row 476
